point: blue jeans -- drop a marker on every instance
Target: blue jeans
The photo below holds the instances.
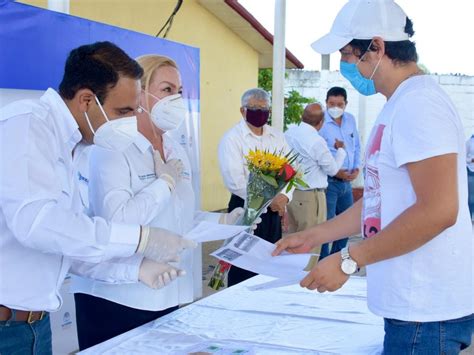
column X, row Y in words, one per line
column 414, row 338
column 338, row 199
column 19, row 338
column 470, row 180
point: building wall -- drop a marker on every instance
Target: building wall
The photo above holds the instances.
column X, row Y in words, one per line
column 229, row 66
column 315, row 84
column 460, row 89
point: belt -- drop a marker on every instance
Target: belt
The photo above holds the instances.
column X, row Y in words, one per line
column 336, row 179
column 21, row 316
column 319, row 189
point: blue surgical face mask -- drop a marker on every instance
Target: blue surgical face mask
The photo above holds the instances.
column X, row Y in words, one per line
column 351, row 72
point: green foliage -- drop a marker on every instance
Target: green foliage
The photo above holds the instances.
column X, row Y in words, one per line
column 265, row 79
column 424, row 68
column 294, row 107
column 294, row 101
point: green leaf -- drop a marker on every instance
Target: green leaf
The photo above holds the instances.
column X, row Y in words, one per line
column 256, row 202
column 301, row 183
column 269, row 180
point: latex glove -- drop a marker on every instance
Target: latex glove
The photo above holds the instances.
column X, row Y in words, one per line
column 233, row 216
column 162, row 245
column 158, row 275
column 170, row 172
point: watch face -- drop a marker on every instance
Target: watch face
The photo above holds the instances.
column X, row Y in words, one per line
column 349, row 266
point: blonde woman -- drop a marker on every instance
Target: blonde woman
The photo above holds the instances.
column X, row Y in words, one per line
column 124, row 188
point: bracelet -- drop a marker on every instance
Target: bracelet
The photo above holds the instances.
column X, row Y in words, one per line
column 145, row 233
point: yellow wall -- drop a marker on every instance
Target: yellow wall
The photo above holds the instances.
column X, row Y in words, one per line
column 229, row 66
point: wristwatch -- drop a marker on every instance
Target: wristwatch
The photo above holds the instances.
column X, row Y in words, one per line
column 348, row 266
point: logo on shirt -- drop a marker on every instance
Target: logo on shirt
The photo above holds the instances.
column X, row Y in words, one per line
column 372, row 200
column 147, row 176
column 82, row 178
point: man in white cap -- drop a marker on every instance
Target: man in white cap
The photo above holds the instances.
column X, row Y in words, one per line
column 418, row 239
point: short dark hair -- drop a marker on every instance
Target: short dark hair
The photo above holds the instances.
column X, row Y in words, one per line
column 399, row 51
column 337, row 91
column 97, row 67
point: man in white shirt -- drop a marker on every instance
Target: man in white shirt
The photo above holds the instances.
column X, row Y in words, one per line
column 42, row 225
column 418, row 239
column 470, row 172
column 252, row 132
column 308, row 206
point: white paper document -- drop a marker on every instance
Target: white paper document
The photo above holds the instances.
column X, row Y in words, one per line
column 206, row 231
column 252, row 253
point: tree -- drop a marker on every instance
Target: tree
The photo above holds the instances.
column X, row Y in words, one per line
column 294, row 101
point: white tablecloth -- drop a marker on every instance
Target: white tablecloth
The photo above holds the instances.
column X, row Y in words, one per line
column 286, row 320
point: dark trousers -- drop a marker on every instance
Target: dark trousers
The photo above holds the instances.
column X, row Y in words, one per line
column 269, row 229
column 99, row 319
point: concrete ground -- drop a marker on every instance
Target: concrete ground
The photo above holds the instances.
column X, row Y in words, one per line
column 208, row 263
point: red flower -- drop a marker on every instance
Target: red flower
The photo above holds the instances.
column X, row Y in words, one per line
column 224, row 266
column 287, row 172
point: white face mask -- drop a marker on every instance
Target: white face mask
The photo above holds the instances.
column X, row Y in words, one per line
column 335, row 112
column 169, row 112
column 115, row 134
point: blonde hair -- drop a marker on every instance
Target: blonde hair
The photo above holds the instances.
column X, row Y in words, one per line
column 150, row 63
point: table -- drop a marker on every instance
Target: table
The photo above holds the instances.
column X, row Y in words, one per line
column 286, row 320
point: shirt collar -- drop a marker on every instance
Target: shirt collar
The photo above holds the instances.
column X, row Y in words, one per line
column 67, row 125
column 307, row 127
column 245, row 129
column 328, row 118
column 142, row 143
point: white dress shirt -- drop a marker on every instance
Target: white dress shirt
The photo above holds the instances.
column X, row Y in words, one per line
column 315, row 157
column 470, row 153
column 42, row 226
column 237, row 143
column 123, row 188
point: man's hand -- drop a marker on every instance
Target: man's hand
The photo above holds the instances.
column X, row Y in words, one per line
column 353, row 175
column 338, row 144
column 278, row 204
column 296, row 243
column 343, row 175
column 326, row 275
column 162, row 245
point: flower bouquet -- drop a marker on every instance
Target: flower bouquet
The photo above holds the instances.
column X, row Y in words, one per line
column 269, row 174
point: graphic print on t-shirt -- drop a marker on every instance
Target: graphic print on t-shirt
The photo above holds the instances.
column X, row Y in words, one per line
column 372, row 203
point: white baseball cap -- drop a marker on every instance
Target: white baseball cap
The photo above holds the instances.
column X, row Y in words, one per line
column 364, row 19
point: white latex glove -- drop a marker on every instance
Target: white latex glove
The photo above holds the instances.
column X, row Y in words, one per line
column 170, row 172
column 233, row 216
column 158, row 275
column 162, row 245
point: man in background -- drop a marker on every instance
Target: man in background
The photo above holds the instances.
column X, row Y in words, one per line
column 252, row 132
column 308, row 206
column 340, row 125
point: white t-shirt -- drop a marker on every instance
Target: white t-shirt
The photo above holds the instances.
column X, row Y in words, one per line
column 435, row 281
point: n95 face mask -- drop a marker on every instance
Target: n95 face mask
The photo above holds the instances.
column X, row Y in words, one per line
column 169, row 112
column 116, row 134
